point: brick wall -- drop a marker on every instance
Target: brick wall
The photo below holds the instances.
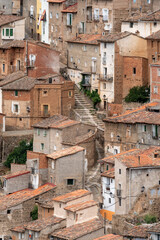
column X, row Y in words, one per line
column 114, row 109
column 155, row 83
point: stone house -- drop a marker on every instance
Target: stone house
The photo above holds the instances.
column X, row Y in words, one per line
column 108, row 194
column 84, row 59
column 82, row 231
column 41, row 59
column 139, row 232
column 6, row 7
column 66, row 169
column 15, row 181
column 137, row 128
column 155, row 81
column 54, row 134
column 154, row 231
column 143, row 24
column 123, row 65
column 11, row 28
column 137, row 167
column 27, row 100
column 15, row 208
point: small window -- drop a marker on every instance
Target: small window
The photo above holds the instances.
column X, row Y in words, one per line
column 8, row 211
column 52, row 164
column 144, row 128
column 36, row 234
column 15, row 108
column 45, row 93
column 55, row 148
column 155, row 24
column 105, row 45
column 44, row 133
column 69, row 93
column 155, row 89
column 71, row 59
column 42, row 146
column 57, row 15
column 3, row 67
column 16, row 93
column 70, row 182
column 60, row 205
column 38, row 132
column 131, row 24
column 134, row 70
column 119, row 171
column 120, row 202
column 50, row 14
column 109, row 200
column 107, row 167
column 84, row 48
column 45, row 110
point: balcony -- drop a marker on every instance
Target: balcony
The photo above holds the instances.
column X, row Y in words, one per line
column 106, row 77
column 104, row 60
column 34, row 171
column 119, row 193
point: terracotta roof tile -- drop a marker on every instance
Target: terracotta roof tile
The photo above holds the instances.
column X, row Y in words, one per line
column 153, row 16
column 110, row 173
column 24, row 83
column 13, row 44
column 56, row 121
column 72, row 196
column 135, row 17
column 137, row 158
column 113, row 37
column 138, row 232
column 70, row 9
column 15, row 174
column 110, row 237
column 65, row 152
column 19, row 197
column 155, row 36
column 56, row 1
column 12, row 77
column 139, row 16
column 155, row 228
column 5, row 19
column 86, row 39
column 81, row 206
column 143, row 114
column 79, row 230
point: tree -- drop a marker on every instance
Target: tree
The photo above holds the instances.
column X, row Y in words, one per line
column 34, row 213
column 138, row 94
column 19, row 154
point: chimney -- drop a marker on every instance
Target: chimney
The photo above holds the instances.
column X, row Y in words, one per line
column 139, row 160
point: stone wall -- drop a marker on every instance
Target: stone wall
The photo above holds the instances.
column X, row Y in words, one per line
column 18, row 167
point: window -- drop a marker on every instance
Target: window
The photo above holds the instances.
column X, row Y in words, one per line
column 45, row 110
column 18, row 64
column 4, row 183
column 119, row 171
column 71, row 59
column 45, row 93
column 93, row 77
column 7, row 33
column 44, row 133
column 57, row 15
column 52, row 164
column 105, row 14
column 70, row 182
column 104, row 85
column 134, row 70
column 3, row 67
column 69, row 19
column 131, row 24
column 148, row 1
column 38, row 132
column 105, row 45
column 69, row 93
column 155, row 89
column 15, row 108
column 16, row 93
column 36, row 234
column 107, row 167
column 55, row 148
column 96, row 14
column 155, row 131
column 50, row 14
column 109, row 200
column 8, row 211
column 51, row 179
column 144, row 128
column 42, row 146
column 84, row 48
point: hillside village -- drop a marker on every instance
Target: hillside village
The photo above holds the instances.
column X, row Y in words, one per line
column 80, row 119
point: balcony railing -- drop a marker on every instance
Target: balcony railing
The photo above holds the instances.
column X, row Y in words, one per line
column 119, row 193
column 34, row 171
column 106, row 77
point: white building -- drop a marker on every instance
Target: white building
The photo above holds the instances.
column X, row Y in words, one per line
column 108, row 193
column 143, row 25
column 45, row 21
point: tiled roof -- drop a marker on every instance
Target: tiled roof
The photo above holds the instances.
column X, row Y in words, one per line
column 12, row 77
column 5, row 19
column 81, row 206
column 24, row 83
column 65, row 152
column 110, row 173
column 135, row 17
column 72, row 196
column 155, row 228
column 138, row 232
column 56, row 1
column 86, row 39
column 13, row 44
column 155, row 36
column 143, row 114
column 137, row 158
column 71, row 9
column 38, row 224
column 153, row 16
column 19, row 197
column 79, row 230
column 113, row 37
column 15, row 174
column 110, row 237
column 56, row 121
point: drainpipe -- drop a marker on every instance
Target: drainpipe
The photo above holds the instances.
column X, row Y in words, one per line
column 27, row 57
column 130, row 188
column 83, row 174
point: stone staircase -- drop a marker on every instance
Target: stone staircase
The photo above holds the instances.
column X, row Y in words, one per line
column 84, row 110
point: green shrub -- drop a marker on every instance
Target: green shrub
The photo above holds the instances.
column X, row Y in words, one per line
column 19, row 154
column 138, row 94
column 150, row 219
column 34, row 213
